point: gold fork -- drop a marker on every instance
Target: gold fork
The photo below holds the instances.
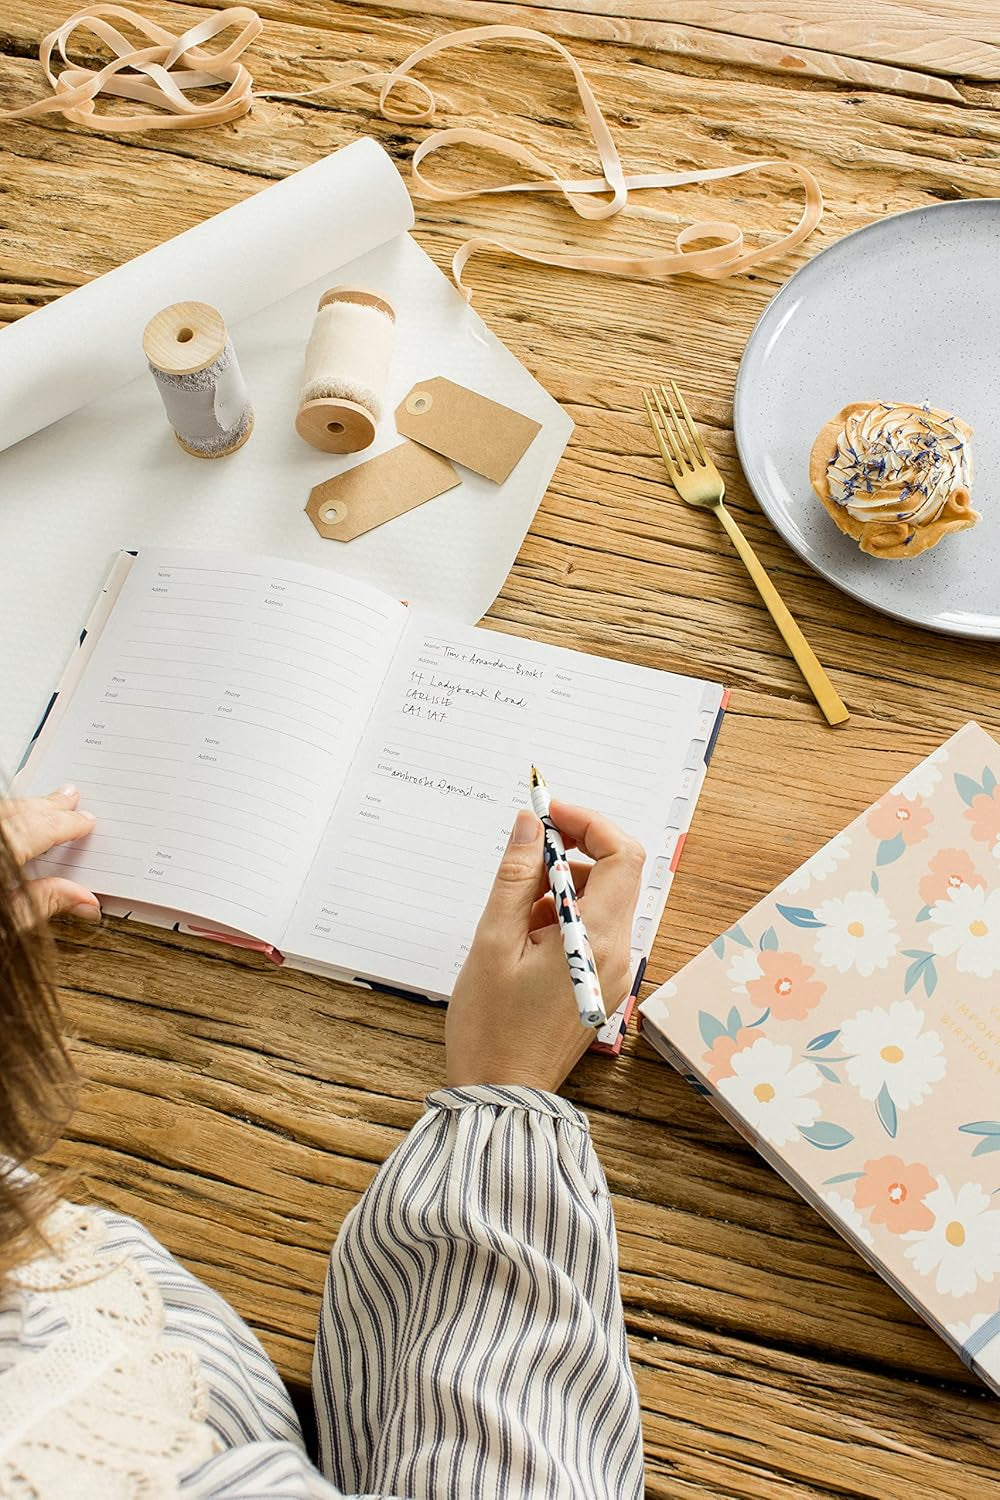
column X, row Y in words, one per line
column 696, row 479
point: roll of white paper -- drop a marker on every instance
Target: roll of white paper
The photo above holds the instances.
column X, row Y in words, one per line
column 89, row 342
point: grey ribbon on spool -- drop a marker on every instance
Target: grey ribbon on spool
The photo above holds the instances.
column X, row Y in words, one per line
column 193, row 362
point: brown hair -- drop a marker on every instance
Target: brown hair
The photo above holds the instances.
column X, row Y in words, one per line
column 37, row 1082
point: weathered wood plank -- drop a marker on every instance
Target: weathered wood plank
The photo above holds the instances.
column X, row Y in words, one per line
column 239, row 1109
column 697, row 43
column 959, row 37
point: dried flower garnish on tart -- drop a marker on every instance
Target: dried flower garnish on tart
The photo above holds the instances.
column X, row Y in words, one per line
column 894, row 476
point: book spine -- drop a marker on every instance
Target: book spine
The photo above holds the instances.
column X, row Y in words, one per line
column 73, row 670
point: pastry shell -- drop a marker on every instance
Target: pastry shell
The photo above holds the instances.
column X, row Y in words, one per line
column 886, row 538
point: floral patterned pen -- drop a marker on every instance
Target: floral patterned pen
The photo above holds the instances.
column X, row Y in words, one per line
column 582, row 969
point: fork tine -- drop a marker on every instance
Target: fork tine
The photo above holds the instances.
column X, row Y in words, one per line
column 693, row 429
column 681, row 460
column 691, row 456
column 668, row 462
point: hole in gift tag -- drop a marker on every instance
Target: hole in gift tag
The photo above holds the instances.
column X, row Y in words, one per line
column 378, row 490
column 418, row 401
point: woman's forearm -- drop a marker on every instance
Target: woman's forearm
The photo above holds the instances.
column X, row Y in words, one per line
column 472, row 1339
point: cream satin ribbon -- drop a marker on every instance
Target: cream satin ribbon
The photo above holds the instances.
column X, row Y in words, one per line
column 162, row 73
column 172, row 65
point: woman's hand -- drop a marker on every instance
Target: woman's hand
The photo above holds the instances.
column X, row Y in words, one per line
column 513, row 1017
column 34, row 825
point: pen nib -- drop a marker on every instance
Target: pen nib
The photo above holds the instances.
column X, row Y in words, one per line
column 536, row 777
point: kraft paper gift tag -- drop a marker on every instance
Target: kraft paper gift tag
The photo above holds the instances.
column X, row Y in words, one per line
column 362, row 498
column 461, row 425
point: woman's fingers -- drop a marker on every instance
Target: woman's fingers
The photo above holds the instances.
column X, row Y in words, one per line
column 33, row 825
column 618, row 859
column 39, row 900
column 612, row 890
column 543, row 913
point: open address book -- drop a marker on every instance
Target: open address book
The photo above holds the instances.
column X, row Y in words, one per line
column 281, row 756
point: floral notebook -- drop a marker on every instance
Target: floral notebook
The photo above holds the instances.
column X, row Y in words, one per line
column 849, row 1027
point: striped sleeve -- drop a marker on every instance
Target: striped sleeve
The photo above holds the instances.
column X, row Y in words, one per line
column 471, row 1339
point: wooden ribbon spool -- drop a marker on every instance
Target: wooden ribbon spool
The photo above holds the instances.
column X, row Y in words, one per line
column 195, row 368
column 347, row 361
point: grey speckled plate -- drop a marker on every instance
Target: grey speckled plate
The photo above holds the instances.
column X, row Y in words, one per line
column 906, row 309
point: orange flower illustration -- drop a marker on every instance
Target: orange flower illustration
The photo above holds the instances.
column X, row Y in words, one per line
column 786, row 985
column 719, row 1056
column 984, row 815
column 895, row 816
column 949, row 869
column 895, row 1193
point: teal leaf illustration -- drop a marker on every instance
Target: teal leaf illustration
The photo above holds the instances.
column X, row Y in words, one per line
column 831, row 1075
column 967, row 789
column 843, row 1177
column 989, row 781
column 769, row 940
column 760, row 1019
column 799, row 916
column 739, row 936
column 923, row 968
column 874, row 883
column 823, row 1040
column 825, row 1135
column 886, row 1109
column 718, row 946
column 711, row 1028
column 923, row 915
column 733, row 1022
column 990, row 1132
column 890, row 850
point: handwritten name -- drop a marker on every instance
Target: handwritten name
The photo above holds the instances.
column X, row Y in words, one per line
column 495, row 663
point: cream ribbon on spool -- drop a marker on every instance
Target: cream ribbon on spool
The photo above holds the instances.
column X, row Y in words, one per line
column 347, row 362
column 161, row 74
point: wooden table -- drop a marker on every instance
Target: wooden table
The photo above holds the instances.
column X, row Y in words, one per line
column 240, row 1110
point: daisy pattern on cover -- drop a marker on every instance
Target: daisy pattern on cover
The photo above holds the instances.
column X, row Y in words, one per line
column 744, row 966
column 925, row 777
column 775, row 1097
column 962, row 1247
column 966, row 926
column 891, row 1058
column 855, row 932
column 849, row 1216
column 821, row 864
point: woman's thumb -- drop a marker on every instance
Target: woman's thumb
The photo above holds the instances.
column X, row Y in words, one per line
column 515, row 886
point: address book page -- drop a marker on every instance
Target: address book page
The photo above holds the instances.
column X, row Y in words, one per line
column 211, row 730
column 400, row 879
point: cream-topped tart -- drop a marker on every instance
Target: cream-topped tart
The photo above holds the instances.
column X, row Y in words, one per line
column 894, row 476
